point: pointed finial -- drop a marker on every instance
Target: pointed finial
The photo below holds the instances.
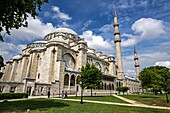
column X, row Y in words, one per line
column 65, row 25
column 134, row 50
column 115, row 14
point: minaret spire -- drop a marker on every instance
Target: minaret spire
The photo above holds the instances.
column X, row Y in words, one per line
column 134, row 50
column 136, row 63
column 115, row 14
column 117, row 41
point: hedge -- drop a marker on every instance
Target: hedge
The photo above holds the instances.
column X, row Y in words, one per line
column 13, row 95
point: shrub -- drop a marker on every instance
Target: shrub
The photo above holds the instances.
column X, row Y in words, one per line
column 12, row 95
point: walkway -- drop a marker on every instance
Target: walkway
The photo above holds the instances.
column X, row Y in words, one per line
column 128, row 100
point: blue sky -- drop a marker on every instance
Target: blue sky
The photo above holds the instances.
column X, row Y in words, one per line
column 144, row 23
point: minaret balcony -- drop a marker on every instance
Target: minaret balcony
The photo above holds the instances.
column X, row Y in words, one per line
column 117, row 40
column 116, row 32
column 116, row 24
column 136, row 58
column 137, row 65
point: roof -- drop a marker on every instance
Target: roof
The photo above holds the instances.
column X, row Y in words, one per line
column 42, row 41
column 57, row 40
column 65, row 30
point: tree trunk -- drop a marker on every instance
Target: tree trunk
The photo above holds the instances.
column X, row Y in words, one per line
column 167, row 97
column 91, row 92
column 81, row 96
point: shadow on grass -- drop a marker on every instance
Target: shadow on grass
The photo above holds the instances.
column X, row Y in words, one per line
column 148, row 97
column 33, row 104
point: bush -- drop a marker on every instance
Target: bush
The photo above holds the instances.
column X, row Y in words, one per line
column 12, row 95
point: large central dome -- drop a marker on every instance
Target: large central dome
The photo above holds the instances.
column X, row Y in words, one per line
column 65, row 30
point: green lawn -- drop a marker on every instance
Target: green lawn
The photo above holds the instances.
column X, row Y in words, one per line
column 64, row 106
column 101, row 98
column 159, row 100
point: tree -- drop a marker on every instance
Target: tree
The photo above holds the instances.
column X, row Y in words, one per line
column 150, row 79
column 14, row 13
column 90, row 77
column 1, row 62
column 122, row 89
column 119, row 89
column 125, row 89
column 156, row 78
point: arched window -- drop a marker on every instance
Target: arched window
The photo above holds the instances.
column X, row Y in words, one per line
column 105, row 86
column 72, row 82
column 69, row 61
column 66, row 79
column 98, row 65
column 78, row 80
column 106, row 70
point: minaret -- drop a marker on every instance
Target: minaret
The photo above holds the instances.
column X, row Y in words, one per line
column 117, row 41
column 136, row 63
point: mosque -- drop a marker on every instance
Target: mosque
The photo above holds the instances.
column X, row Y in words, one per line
column 54, row 64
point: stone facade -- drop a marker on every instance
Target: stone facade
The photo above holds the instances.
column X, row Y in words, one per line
column 54, row 64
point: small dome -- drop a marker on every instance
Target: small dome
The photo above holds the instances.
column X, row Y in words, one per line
column 57, row 40
column 65, row 30
column 16, row 57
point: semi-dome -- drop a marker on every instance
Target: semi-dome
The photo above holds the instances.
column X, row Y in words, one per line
column 65, row 30
column 16, row 57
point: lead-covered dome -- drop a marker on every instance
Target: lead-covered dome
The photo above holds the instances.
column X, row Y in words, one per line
column 65, row 30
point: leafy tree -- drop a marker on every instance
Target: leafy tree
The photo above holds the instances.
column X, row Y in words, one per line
column 90, row 77
column 150, row 79
column 14, row 13
column 125, row 89
column 1, row 61
column 156, row 78
column 122, row 89
column 119, row 89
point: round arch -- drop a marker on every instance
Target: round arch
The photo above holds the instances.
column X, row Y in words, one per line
column 69, row 60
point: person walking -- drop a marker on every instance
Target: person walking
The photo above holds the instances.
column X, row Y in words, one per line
column 48, row 94
column 66, row 96
column 62, row 94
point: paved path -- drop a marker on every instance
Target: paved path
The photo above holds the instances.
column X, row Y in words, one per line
column 128, row 100
column 132, row 103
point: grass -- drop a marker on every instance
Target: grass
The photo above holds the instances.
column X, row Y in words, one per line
column 149, row 99
column 100, row 98
column 64, row 106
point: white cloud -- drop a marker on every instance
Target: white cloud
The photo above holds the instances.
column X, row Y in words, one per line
column 47, row 14
column 149, row 28
column 97, row 42
column 144, row 29
column 8, row 50
column 36, row 29
column 60, row 15
column 132, row 40
column 87, row 23
column 163, row 63
column 145, row 60
column 106, row 28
